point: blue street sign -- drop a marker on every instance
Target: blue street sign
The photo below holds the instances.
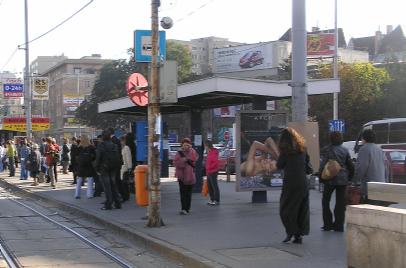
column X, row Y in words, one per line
column 13, row 90
column 143, row 46
column 337, row 125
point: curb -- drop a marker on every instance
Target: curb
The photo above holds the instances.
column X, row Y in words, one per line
column 164, row 248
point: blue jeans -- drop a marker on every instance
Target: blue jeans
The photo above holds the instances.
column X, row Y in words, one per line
column 89, row 187
column 1, row 165
column 110, row 189
column 24, row 172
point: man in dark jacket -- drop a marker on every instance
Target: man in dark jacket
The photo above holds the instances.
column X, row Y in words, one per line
column 108, row 176
column 120, row 185
column 73, row 153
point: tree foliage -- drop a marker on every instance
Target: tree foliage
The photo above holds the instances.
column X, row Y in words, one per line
column 178, row 52
column 359, row 98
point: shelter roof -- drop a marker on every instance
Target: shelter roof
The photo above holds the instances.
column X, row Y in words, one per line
column 216, row 92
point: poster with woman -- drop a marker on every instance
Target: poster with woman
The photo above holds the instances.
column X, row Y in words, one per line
column 257, row 135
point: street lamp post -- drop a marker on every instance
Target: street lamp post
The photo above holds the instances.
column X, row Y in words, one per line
column 78, row 92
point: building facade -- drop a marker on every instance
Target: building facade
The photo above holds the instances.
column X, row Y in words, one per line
column 70, row 83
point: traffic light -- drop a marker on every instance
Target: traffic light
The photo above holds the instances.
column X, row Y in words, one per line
column 5, row 115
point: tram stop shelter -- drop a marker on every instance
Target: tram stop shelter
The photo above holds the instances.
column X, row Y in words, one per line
column 216, row 92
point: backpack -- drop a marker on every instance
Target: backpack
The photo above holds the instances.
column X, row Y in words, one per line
column 57, row 156
column 84, row 158
column 32, row 159
column 111, row 160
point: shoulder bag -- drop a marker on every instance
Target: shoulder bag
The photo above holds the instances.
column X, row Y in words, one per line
column 353, row 194
column 331, row 168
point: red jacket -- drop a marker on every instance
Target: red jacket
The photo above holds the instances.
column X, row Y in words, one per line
column 212, row 161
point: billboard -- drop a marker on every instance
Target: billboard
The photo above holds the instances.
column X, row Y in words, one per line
column 40, row 89
column 320, row 44
column 226, row 111
column 242, row 58
column 257, row 135
column 72, row 99
column 13, row 88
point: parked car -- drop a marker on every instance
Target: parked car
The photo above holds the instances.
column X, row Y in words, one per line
column 395, row 160
column 219, row 148
column 223, row 156
column 251, row 59
column 173, row 148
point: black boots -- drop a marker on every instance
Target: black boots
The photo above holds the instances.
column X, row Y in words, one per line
column 298, row 239
column 287, row 239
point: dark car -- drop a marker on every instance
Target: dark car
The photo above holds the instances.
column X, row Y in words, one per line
column 395, row 161
column 251, row 59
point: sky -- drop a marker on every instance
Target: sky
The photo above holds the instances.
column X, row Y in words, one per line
column 107, row 27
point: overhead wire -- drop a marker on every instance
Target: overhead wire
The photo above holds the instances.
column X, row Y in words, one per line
column 195, row 10
column 18, row 47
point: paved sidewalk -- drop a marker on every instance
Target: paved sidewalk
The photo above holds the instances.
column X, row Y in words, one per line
column 236, row 233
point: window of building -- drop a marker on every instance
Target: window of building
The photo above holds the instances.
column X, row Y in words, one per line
column 194, row 48
column 204, row 57
column 195, row 66
column 200, row 48
column 87, row 97
column 58, row 98
column 204, row 49
column 77, row 70
column 87, row 84
column 12, row 102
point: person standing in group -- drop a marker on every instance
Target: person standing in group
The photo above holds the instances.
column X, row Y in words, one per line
column 127, row 165
column 73, row 154
column 184, row 163
column 130, row 142
column 338, row 183
column 65, row 155
column 33, row 162
column 43, row 147
column 10, row 156
column 98, row 185
column 51, row 164
column 57, row 149
column 212, row 163
column 119, row 182
column 87, row 154
column 371, row 165
column 24, row 152
column 2, row 151
column 294, row 201
column 108, row 175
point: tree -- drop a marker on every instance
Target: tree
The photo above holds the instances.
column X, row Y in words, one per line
column 359, row 98
column 175, row 51
column 110, row 84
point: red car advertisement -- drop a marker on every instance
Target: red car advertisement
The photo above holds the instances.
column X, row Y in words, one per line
column 320, row 44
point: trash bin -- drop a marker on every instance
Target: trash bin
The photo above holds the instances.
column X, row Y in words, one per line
column 141, row 191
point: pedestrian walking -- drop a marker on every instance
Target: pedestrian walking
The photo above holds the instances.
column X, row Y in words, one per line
column 51, row 164
column 33, row 164
column 126, row 168
column 371, row 166
column 98, row 185
column 24, row 152
column 86, row 155
column 10, row 157
column 294, row 201
column 338, row 183
column 184, row 163
column 212, row 163
column 73, row 154
column 65, row 155
column 119, row 182
column 107, row 152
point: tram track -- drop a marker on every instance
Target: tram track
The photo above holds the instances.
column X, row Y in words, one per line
column 94, row 245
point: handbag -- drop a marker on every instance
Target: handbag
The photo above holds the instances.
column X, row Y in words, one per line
column 205, row 190
column 352, row 194
column 331, row 168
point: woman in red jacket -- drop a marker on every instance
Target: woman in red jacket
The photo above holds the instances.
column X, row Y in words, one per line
column 212, row 164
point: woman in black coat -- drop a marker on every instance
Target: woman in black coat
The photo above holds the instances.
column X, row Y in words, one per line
column 338, row 183
column 294, row 202
column 86, row 154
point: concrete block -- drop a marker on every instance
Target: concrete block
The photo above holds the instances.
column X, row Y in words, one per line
column 384, row 218
column 393, row 192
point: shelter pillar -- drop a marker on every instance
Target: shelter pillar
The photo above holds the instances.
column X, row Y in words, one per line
column 196, row 131
column 259, row 103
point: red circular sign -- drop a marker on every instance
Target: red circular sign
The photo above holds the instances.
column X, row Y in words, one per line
column 134, row 83
column 227, row 135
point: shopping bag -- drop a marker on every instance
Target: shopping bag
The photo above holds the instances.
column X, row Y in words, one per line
column 352, row 194
column 205, row 190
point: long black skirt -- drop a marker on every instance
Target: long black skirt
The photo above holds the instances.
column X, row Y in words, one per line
column 295, row 212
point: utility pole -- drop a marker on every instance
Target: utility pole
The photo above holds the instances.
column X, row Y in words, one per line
column 154, row 128
column 27, row 78
column 299, row 62
column 335, row 113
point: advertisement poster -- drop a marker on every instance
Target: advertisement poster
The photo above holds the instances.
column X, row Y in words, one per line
column 226, row 137
column 320, row 44
column 226, row 111
column 257, row 136
column 72, row 99
column 242, row 58
column 13, row 88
